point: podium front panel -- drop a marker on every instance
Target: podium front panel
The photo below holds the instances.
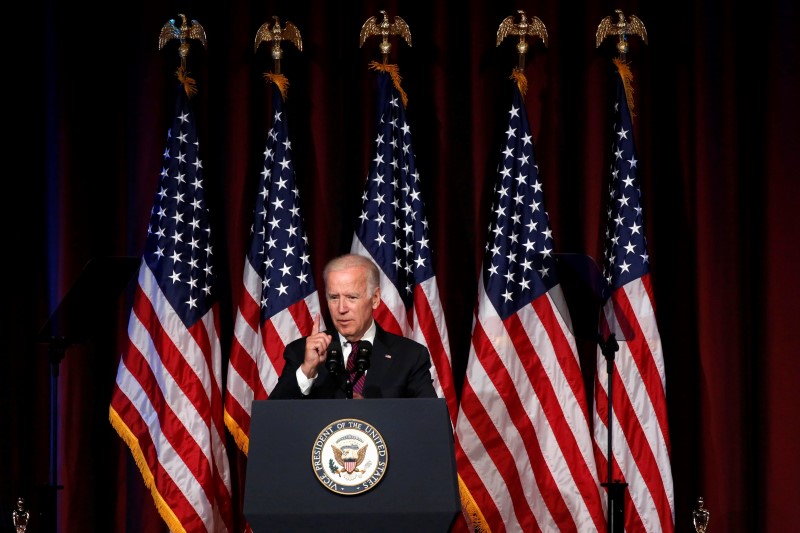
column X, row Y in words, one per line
column 417, row 492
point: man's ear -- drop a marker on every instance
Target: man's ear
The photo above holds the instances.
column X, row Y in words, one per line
column 376, row 298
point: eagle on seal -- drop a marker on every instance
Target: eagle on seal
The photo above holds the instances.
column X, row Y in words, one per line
column 349, row 457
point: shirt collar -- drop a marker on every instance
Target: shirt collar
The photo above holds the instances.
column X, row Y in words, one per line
column 369, row 335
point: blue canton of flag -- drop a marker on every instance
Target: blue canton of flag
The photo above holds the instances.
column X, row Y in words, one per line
column 278, row 250
column 518, row 262
column 179, row 247
column 393, row 226
column 625, row 245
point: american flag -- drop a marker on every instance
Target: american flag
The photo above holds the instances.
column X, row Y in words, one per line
column 640, row 437
column 523, row 444
column 279, row 298
column 393, row 231
column 167, row 402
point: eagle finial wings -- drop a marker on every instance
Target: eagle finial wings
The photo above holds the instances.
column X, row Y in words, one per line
column 183, row 33
column 276, row 34
column 384, row 28
column 622, row 28
column 533, row 27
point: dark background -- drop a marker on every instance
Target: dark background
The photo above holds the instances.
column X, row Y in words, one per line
column 88, row 99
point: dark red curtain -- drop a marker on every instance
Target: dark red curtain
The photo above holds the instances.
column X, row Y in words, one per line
column 87, row 106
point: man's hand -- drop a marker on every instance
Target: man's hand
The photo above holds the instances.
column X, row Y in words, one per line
column 316, row 350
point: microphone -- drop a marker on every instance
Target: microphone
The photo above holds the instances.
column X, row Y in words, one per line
column 363, row 355
column 335, row 360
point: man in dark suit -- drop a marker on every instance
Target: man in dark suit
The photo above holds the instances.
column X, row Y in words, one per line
column 398, row 367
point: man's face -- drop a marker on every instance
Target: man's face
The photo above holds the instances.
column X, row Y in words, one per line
column 349, row 303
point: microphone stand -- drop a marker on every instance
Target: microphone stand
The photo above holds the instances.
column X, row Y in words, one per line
column 616, row 489
column 586, row 293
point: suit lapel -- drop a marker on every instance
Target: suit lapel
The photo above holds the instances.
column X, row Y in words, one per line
column 380, row 361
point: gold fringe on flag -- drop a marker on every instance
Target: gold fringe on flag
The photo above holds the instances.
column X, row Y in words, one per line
column 625, row 73
column 280, row 80
column 241, row 438
column 189, row 85
column 522, row 82
column 394, row 72
column 476, row 521
column 130, row 439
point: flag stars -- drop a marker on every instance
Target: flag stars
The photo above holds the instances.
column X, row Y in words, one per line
column 282, row 289
column 544, row 272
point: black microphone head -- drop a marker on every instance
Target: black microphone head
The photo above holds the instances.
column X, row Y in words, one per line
column 335, row 360
column 363, row 355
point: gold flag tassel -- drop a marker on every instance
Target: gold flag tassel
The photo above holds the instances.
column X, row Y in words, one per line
column 189, row 85
column 394, row 72
column 627, row 81
column 280, row 80
column 522, row 82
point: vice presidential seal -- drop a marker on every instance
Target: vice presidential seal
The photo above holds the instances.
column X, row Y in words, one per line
column 349, row 456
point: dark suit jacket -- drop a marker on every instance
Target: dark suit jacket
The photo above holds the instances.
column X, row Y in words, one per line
column 399, row 368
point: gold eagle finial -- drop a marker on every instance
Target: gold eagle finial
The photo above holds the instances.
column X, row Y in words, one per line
column 384, row 28
column 535, row 28
column 632, row 26
column 276, row 34
column 183, row 33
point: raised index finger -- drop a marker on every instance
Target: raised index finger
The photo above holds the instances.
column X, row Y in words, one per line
column 315, row 327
